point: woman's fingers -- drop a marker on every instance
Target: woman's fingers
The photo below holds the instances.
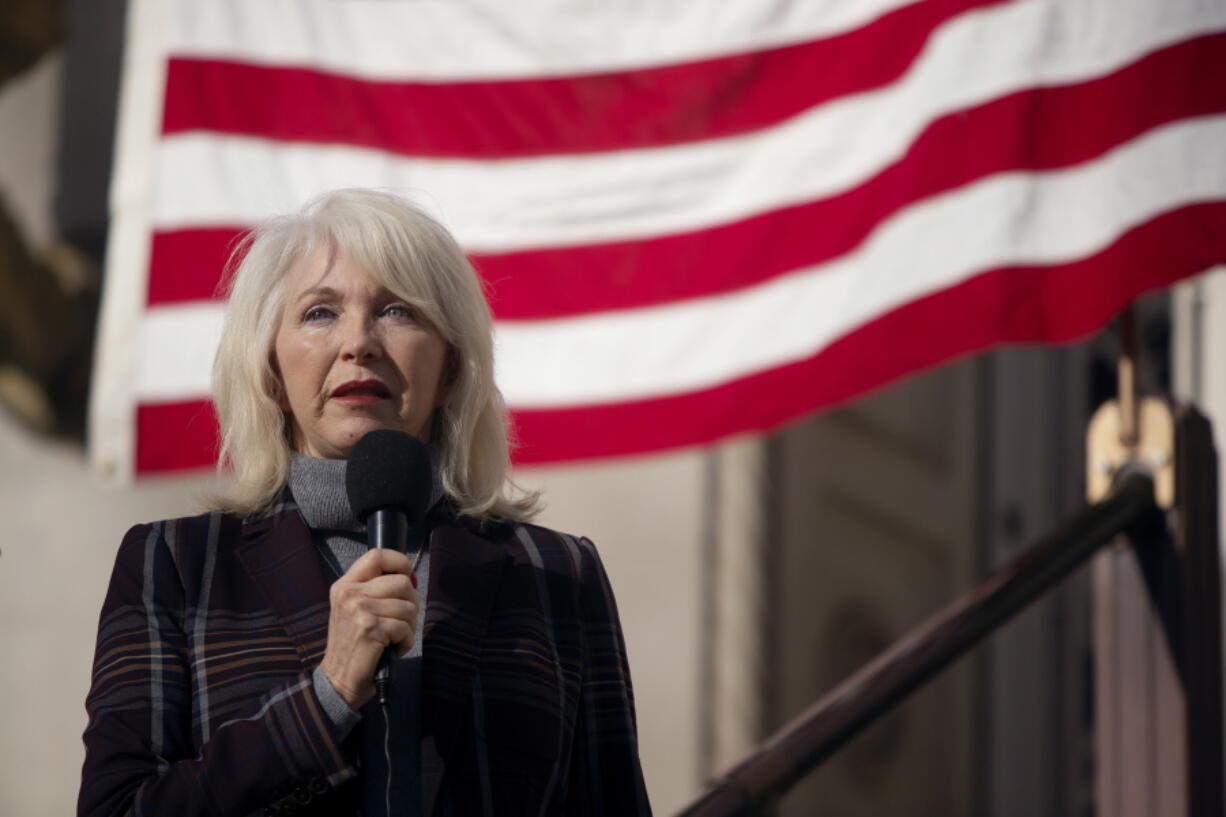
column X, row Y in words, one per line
column 381, row 585
column 376, row 562
column 400, row 636
column 392, row 609
column 381, row 632
column 392, row 601
column 390, row 586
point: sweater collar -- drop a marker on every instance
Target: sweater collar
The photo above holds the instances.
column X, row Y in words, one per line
column 318, row 486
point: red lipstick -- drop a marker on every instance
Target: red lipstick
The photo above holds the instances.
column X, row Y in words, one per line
column 361, row 391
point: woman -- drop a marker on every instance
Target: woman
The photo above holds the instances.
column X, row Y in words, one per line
column 236, row 649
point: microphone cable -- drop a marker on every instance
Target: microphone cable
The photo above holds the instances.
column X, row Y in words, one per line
column 387, row 756
column 381, row 679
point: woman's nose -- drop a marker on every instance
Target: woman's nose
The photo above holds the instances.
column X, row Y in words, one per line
column 360, row 343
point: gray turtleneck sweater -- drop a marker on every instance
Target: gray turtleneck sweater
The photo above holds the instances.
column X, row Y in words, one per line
column 318, row 486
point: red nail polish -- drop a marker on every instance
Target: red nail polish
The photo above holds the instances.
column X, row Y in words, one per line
column 413, row 578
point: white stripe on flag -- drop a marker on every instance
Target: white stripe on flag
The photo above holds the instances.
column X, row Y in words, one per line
column 567, row 200
column 452, row 40
column 1013, row 218
column 177, row 346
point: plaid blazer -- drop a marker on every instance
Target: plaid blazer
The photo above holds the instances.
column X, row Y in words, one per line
column 202, row 701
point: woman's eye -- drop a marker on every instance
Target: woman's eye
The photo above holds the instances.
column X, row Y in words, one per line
column 316, row 313
column 399, row 311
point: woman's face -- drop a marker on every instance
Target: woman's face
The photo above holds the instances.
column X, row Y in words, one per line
column 352, row 358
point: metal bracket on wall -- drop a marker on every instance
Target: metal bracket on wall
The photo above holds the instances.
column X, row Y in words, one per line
column 1131, row 429
column 1113, row 440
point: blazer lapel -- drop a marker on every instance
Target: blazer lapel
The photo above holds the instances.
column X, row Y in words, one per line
column 277, row 552
column 465, row 572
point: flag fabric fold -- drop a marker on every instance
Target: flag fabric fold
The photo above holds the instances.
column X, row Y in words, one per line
column 693, row 220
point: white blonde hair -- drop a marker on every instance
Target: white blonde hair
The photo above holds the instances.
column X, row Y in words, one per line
column 415, row 258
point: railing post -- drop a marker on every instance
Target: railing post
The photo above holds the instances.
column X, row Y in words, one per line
column 1196, row 540
column 1158, row 637
column 1139, row 717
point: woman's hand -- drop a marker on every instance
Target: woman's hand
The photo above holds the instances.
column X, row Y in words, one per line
column 374, row 606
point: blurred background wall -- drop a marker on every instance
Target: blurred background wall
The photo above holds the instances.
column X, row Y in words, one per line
column 751, row 576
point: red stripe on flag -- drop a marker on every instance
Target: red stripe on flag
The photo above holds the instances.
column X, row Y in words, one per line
column 531, row 117
column 1008, row 305
column 1031, row 130
column 188, row 265
column 175, row 436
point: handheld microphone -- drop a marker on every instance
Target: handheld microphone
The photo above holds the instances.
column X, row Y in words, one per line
column 388, row 480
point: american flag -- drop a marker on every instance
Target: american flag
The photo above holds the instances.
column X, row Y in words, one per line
column 695, row 218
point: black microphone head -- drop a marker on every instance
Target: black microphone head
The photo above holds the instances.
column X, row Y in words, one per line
column 389, row 469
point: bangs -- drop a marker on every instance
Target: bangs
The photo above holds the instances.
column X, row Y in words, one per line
column 397, row 254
